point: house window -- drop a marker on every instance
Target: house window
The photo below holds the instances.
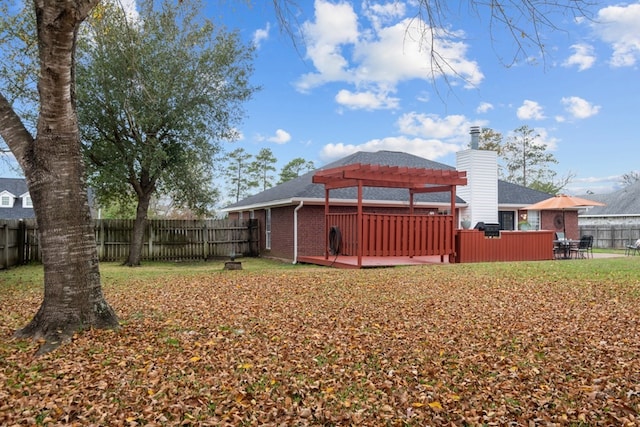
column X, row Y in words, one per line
column 506, row 219
column 533, row 218
column 267, row 227
column 26, row 202
column 6, row 200
column 240, row 215
column 252, row 214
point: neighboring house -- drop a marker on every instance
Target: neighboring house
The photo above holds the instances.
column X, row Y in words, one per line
column 622, row 207
column 15, row 202
column 292, row 214
column 618, row 222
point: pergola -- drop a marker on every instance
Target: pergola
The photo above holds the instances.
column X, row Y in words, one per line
column 410, row 235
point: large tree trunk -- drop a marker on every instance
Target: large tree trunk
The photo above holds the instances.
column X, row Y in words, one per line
column 137, row 238
column 52, row 163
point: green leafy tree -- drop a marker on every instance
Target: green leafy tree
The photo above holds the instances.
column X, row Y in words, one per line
column 260, row 170
column 490, row 140
column 119, row 209
column 552, row 184
column 526, row 158
column 237, row 174
column 294, row 169
column 156, row 96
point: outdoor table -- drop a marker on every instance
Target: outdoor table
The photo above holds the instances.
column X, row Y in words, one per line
column 565, row 245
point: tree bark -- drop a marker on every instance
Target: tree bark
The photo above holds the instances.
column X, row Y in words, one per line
column 53, row 167
column 137, row 237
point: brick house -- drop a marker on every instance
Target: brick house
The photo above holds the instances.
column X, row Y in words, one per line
column 291, row 214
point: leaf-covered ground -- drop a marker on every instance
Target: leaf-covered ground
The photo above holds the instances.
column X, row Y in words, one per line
column 523, row 344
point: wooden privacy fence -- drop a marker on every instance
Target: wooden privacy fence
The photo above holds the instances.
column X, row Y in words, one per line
column 179, row 239
column 163, row 240
column 18, row 242
column 614, row 236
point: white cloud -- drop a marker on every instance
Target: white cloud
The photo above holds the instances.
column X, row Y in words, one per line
column 375, row 58
column 582, row 56
column 380, row 14
column 335, row 25
column 544, row 138
column 366, row 100
column 594, row 185
column 530, row 110
column 427, row 148
column 281, row 137
column 425, row 135
column 484, row 107
column 620, row 27
column 433, row 126
column 579, row 108
column 260, row 35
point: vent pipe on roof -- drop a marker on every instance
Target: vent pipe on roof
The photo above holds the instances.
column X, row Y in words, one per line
column 475, row 137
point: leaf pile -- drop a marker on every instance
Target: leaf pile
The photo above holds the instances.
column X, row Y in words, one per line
column 518, row 344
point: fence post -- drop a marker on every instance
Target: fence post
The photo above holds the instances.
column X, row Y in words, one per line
column 21, row 238
column 5, row 228
column 254, row 237
column 102, row 239
column 205, row 241
column 151, row 257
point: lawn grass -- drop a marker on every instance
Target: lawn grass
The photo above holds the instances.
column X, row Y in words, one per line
column 528, row 343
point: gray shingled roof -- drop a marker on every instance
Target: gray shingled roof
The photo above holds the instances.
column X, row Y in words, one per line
column 17, row 187
column 514, row 194
column 621, row 202
column 302, row 188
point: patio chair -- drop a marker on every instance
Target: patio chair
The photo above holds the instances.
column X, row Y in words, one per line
column 559, row 247
column 582, row 249
column 633, row 248
column 589, row 252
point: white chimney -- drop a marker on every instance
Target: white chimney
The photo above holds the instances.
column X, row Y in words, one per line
column 475, row 137
column 481, row 191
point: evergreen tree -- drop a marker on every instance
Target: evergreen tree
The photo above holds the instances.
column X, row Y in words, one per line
column 294, row 169
column 260, row 170
column 237, row 174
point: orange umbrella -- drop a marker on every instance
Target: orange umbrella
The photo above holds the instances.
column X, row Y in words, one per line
column 562, row 202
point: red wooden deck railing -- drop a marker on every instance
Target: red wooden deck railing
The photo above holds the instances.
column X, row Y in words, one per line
column 394, row 234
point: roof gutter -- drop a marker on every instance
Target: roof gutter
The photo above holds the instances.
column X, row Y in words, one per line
column 295, row 232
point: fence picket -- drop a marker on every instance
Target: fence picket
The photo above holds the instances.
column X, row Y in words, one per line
column 164, row 240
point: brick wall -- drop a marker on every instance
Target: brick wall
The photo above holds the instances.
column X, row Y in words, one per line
column 548, row 222
column 311, row 228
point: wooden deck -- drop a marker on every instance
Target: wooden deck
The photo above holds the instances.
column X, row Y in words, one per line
column 343, row 261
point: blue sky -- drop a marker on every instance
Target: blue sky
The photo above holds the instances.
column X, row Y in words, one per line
column 358, row 83
column 361, row 81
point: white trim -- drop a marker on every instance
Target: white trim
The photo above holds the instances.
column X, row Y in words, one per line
column 609, row 216
column 26, row 201
column 295, row 232
column 267, row 229
column 11, row 198
column 334, row 202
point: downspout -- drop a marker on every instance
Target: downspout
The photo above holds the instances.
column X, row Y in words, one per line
column 295, row 232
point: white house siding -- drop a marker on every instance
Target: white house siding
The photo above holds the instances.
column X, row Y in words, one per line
column 481, row 191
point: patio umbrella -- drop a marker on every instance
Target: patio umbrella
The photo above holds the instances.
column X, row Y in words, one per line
column 562, row 202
